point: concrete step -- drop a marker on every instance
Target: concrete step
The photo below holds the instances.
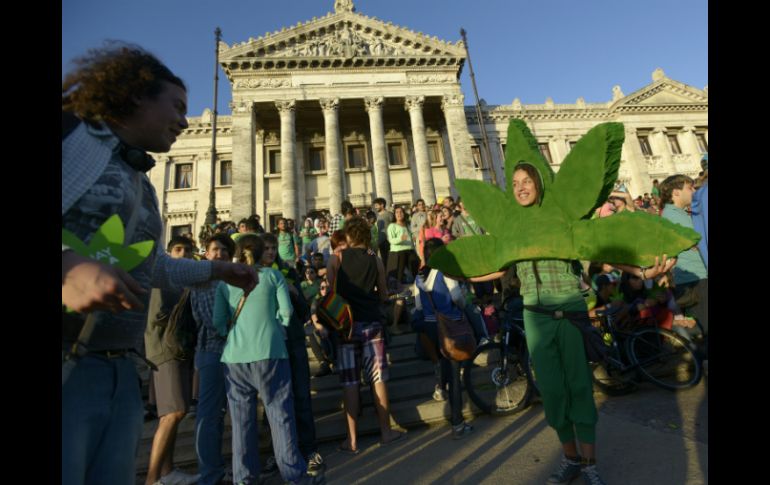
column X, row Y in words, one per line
column 329, row 400
column 412, row 413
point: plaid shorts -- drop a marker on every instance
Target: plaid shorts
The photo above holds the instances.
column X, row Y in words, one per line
column 368, row 342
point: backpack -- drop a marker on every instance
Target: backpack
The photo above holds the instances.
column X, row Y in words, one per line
column 181, row 334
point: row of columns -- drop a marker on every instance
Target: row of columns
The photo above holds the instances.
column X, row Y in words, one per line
column 457, row 127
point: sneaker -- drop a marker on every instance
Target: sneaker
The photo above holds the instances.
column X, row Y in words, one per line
column 591, row 475
column 439, row 394
column 324, row 370
column 178, row 477
column 270, row 467
column 483, row 341
column 461, row 430
column 315, row 464
column 568, row 471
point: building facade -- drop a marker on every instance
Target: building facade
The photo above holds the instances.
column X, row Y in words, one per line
column 348, row 106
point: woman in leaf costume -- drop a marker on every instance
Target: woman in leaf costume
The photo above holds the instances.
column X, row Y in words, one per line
column 543, row 226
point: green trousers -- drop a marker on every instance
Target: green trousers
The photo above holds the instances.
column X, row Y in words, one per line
column 562, row 375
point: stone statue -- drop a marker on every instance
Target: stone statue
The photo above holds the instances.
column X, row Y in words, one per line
column 344, row 6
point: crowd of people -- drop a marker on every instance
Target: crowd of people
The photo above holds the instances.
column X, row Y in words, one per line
column 235, row 324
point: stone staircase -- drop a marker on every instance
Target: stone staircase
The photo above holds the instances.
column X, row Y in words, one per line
column 410, row 389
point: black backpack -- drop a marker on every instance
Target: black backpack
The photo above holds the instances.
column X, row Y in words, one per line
column 181, row 334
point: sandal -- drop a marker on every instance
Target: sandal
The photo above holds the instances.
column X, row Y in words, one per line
column 348, row 451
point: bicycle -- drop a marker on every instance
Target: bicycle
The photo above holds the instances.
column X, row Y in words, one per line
column 655, row 354
column 498, row 378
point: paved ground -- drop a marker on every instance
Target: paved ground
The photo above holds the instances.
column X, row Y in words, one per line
column 650, row 437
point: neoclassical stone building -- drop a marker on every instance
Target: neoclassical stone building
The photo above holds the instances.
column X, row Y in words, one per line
column 352, row 107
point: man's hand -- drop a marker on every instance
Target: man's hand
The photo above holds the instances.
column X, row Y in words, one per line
column 88, row 285
column 236, row 274
column 660, row 267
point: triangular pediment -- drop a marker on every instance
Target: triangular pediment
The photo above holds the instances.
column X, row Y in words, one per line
column 340, row 35
column 662, row 93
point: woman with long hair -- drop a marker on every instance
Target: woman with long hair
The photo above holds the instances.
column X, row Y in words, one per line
column 552, row 299
column 256, row 363
column 402, row 253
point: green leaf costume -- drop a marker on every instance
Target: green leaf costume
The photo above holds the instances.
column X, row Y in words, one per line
column 560, row 225
column 107, row 245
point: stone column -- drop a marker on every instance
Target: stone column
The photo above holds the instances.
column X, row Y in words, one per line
column 259, row 171
column 288, row 161
column 633, row 158
column 424, row 170
column 243, row 196
column 379, row 153
column 558, row 147
column 334, row 169
column 660, row 147
column 457, row 127
column 689, row 143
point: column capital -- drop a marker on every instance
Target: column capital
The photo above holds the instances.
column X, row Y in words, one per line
column 414, row 102
column 286, row 105
column 659, row 129
column 242, row 106
column 453, row 100
column 374, row 102
column 329, row 104
column 689, row 128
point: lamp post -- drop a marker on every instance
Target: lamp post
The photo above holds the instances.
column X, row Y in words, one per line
column 211, row 214
column 485, row 139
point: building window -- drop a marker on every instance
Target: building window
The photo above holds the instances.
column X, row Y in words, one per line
column 434, row 155
column 572, row 144
column 356, row 156
column 183, row 176
column 315, row 159
column 502, row 147
column 180, row 230
column 226, row 172
column 395, row 155
column 644, row 143
column 476, row 151
column 703, row 145
column 674, row 144
column 545, row 152
column 274, row 162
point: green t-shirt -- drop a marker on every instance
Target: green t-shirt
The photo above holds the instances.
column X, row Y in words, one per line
column 286, row 246
column 308, row 235
column 375, row 237
column 310, row 290
column 396, row 232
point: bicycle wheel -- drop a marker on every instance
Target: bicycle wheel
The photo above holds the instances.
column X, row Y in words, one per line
column 664, row 358
column 610, row 381
column 494, row 389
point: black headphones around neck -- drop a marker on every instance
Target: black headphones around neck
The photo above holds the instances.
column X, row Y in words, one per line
column 136, row 158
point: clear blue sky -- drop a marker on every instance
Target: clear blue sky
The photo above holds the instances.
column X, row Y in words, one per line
column 530, row 49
